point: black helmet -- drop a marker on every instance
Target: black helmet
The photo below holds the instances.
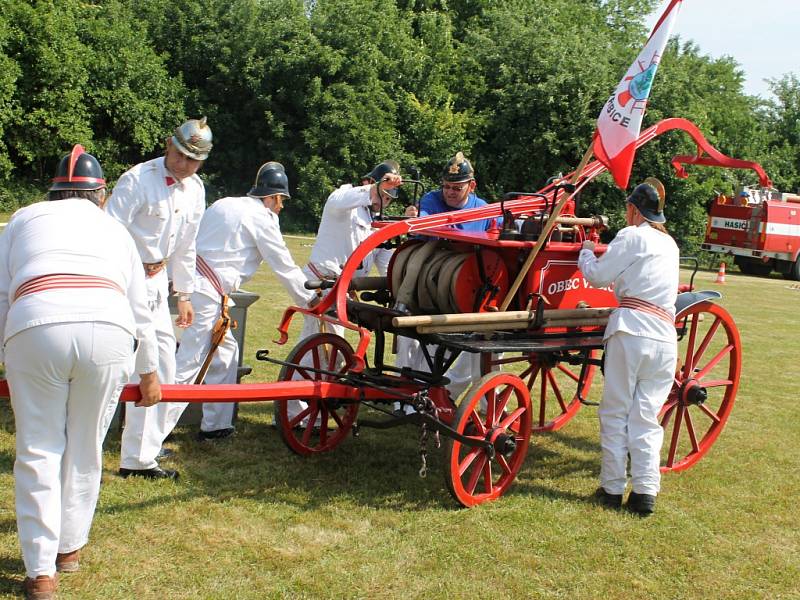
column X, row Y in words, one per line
column 648, row 198
column 381, row 170
column 78, row 171
column 458, row 169
column 271, row 179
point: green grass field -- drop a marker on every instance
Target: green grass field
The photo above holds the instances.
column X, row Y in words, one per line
column 250, row 520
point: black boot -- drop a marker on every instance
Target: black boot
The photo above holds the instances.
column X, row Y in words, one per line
column 601, row 496
column 642, row 504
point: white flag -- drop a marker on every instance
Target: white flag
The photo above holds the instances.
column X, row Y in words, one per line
column 620, row 120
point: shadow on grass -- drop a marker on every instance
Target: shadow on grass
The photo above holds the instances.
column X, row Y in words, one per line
column 12, row 572
column 8, row 525
column 379, row 469
column 6, row 417
column 7, row 461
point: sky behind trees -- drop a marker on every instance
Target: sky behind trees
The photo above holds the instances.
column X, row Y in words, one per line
column 761, row 36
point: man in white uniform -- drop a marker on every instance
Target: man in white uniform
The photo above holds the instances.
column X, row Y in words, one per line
column 72, row 300
column 160, row 202
column 642, row 262
column 235, row 235
column 346, row 222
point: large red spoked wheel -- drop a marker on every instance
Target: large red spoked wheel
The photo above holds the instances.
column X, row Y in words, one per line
column 553, row 385
column 324, row 422
column 706, row 381
column 496, row 408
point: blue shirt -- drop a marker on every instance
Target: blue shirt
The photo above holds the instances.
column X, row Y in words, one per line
column 433, row 203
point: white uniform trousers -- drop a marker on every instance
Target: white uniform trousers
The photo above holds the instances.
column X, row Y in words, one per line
column 639, row 373
column 65, row 380
column 192, row 352
column 146, row 428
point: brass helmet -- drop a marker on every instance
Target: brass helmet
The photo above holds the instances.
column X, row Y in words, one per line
column 78, row 170
column 193, row 139
column 271, row 179
column 458, row 169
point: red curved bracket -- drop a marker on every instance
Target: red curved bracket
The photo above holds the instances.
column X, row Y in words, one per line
column 707, row 155
column 712, row 156
column 709, row 161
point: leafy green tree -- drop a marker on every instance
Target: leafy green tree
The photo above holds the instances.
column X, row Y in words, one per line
column 331, row 87
column 9, row 73
column 781, row 118
column 76, row 72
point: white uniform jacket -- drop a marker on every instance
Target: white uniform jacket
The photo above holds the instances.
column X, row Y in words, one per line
column 73, row 237
column 235, row 235
column 642, row 263
column 346, row 222
column 162, row 215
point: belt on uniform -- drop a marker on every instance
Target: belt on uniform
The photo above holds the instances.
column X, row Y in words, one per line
column 153, row 269
column 647, row 307
column 208, row 272
column 63, row 281
column 223, row 323
column 317, row 273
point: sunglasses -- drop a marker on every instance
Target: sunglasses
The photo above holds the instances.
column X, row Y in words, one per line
column 455, row 188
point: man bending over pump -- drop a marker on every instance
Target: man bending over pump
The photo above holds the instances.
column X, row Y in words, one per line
column 235, row 235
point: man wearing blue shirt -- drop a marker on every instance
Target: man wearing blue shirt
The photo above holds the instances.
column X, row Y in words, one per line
column 457, row 193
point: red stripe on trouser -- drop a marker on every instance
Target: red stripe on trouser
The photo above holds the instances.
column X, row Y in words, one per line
column 206, row 271
column 313, row 268
column 65, row 281
column 644, row 306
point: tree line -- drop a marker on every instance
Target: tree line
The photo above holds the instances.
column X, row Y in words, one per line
column 331, row 87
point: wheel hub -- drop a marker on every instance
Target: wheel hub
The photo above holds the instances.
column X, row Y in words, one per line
column 693, row 393
column 502, row 442
column 505, row 444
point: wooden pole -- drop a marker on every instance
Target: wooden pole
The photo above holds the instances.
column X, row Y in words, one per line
column 551, row 222
column 521, row 316
column 512, row 325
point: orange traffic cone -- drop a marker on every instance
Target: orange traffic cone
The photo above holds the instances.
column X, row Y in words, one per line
column 721, row 273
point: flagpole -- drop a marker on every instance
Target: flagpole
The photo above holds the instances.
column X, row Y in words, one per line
column 622, row 95
column 551, row 223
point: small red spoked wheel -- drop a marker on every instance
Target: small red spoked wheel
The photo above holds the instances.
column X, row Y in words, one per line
column 706, row 381
column 496, row 409
column 324, row 422
column 553, row 386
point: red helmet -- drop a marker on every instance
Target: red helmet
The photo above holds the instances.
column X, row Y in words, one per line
column 78, row 170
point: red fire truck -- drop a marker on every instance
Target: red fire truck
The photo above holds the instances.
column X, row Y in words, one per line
column 760, row 228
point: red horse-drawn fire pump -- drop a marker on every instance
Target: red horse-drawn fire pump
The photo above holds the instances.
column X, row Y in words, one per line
column 515, row 298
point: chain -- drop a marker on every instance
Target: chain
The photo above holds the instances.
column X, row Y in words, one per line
column 436, row 434
column 423, row 451
column 424, row 404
